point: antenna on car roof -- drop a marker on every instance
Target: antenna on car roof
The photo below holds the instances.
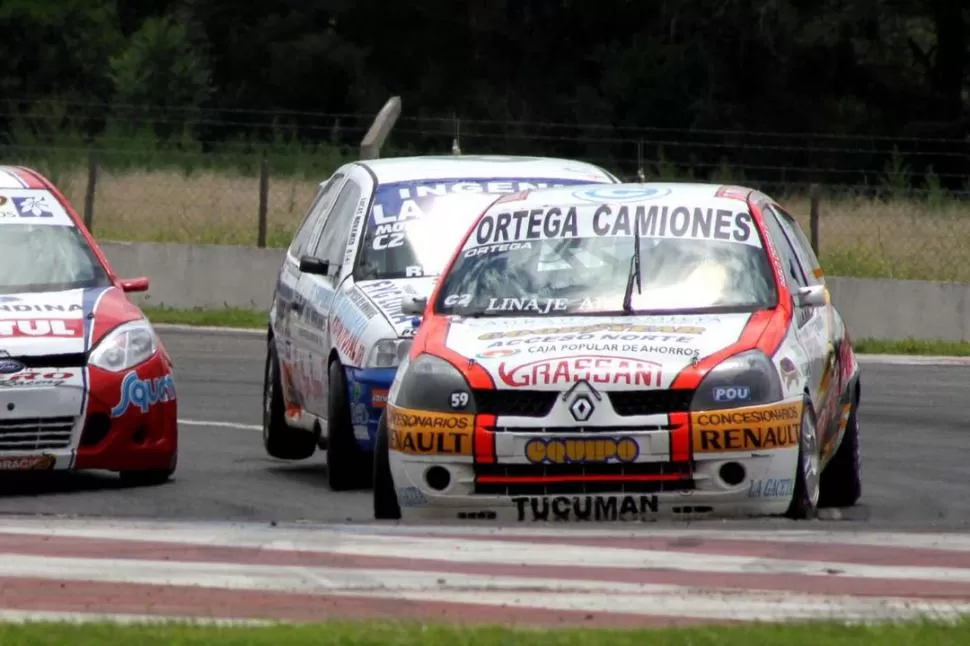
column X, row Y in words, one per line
column 455, row 148
column 641, row 176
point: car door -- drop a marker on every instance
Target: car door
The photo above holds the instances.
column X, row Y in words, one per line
column 291, row 346
column 822, row 328
column 318, row 291
column 808, row 321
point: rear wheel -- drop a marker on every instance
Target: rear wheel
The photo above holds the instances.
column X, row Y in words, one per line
column 348, row 467
column 386, row 506
column 842, row 479
column 279, row 439
column 804, row 501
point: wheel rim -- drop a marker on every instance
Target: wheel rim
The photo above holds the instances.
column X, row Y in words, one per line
column 810, row 458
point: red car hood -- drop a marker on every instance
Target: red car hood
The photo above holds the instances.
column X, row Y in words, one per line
column 63, row 322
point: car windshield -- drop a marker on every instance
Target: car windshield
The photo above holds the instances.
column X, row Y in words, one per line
column 414, row 227
column 550, row 268
column 45, row 257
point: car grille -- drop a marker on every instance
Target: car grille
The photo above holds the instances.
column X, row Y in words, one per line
column 538, row 403
column 36, row 433
column 73, row 360
column 526, row 479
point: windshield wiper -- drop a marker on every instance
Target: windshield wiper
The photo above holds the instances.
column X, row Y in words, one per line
column 634, row 271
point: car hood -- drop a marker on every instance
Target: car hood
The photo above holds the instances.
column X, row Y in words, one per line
column 387, row 296
column 62, row 322
column 618, row 353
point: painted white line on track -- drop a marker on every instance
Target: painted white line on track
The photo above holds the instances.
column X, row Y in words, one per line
column 202, row 422
column 35, row 616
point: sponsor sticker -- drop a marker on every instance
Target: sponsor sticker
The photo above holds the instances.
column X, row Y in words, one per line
column 42, row 328
column 419, row 432
column 595, row 369
column 771, row 488
column 583, row 450
column 747, row 429
column 143, row 393
column 585, row 508
column 34, row 378
column 29, row 463
column 596, row 328
column 789, row 372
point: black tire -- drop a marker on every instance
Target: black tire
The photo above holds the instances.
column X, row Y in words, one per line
column 347, row 466
column 804, row 502
column 842, row 478
column 149, row 477
column 386, row 506
column 279, row 439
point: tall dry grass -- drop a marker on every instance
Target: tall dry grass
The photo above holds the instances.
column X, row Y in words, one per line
column 858, row 236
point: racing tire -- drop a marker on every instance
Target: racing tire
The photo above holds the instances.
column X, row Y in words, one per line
column 842, row 479
column 348, row 467
column 804, row 502
column 279, row 439
column 149, row 477
column 386, row 506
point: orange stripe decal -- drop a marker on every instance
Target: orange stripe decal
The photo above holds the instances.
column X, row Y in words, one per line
column 484, row 439
column 680, row 447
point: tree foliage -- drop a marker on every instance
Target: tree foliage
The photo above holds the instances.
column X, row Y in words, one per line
column 863, row 67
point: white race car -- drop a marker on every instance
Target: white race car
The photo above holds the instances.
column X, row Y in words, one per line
column 624, row 353
column 375, row 232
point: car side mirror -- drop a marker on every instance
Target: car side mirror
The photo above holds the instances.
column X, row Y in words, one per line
column 812, row 296
column 414, row 306
column 315, row 266
column 132, row 285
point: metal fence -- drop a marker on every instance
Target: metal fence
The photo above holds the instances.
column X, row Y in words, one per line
column 873, row 206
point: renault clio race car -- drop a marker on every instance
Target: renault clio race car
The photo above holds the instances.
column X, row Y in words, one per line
column 377, row 231
column 84, row 381
column 624, row 353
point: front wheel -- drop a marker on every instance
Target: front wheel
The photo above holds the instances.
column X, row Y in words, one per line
column 279, row 439
column 804, row 501
column 386, row 506
column 348, row 467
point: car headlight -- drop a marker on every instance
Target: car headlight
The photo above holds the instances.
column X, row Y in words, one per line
column 746, row 379
column 430, row 383
column 388, row 353
column 125, row 347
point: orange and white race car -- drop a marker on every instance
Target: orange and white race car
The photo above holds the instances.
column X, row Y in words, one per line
column 624, row 353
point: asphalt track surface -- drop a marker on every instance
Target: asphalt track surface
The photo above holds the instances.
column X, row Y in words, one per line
column 914, row 444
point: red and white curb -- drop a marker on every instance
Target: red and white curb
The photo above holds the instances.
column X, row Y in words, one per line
column 546, row 576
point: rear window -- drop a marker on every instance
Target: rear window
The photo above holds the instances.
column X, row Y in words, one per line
column 414, row 227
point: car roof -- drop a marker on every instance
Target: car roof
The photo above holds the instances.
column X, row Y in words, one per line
column 630, row 194
column 16, row 177
column 431, row 167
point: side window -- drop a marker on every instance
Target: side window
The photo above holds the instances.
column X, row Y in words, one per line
column 323, row 200
column 803, row 247
column 789, row 260
column 333, row 238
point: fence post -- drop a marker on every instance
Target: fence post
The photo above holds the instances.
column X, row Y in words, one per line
column 814, row 217
column 370, row 145
column 91, row 189
column 263, row 201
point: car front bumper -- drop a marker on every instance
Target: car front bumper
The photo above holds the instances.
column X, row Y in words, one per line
column 74, row 418
column 686, row 466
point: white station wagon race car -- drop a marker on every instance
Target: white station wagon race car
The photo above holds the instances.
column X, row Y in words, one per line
column 376, row 232
column 624, row 353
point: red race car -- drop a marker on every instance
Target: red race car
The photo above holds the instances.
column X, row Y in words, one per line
column 85, row 382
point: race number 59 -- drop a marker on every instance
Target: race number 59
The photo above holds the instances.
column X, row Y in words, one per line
column 459, row 399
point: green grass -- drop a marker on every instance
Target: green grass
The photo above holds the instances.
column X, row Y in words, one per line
column 913, row 346
column 388, row 634
column 229, row 317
